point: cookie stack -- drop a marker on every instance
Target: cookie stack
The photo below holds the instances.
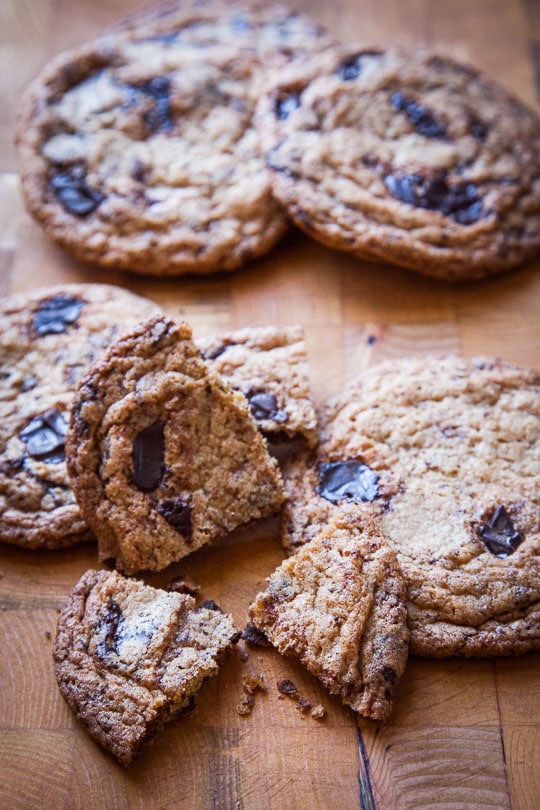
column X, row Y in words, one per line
column 185, row 139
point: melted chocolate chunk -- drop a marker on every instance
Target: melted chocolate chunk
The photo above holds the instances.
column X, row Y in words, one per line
column 45, row 437
column 420, row 116
column 54, row 315
column 159, row 118
column 499, row 535
column 286, row 102
column 347, row 480
column 351, row 67
column 148, row 457
column 461, row 201
column 112, row 619
column 177, row 512
column 264, row 406
column 71, row 188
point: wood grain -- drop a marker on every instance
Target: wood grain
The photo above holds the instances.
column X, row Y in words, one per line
column 464, row 734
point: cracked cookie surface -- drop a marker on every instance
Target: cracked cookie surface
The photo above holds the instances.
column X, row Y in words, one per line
column 163, row 455
column 47, row 339
column 141, row 154
column 409, row 158
column 445, row 452
column 130, row 657
column 339, row 605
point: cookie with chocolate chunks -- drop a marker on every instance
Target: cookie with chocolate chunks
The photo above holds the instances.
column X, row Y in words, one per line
column 445, row 452
column 268, row 364
column 162, row 454
column 130, row 657
column 137, row 150
column 340, row 606
column 406, row 157
column 47, row 339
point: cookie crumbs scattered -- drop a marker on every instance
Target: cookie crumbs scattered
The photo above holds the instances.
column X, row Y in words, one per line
column 250, row 684
column 287, row 688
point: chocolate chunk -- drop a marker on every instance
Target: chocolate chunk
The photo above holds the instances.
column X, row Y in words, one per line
column 420, row 116
column 54, row 315
column 264, row 406
column 213, row 354
column 45, row 437
column 479, row 130
column 112, row 620
column 389, row 675
column 209, row 604
column 159, row 118
column 461, row 201
column 71, row 188
column 148, row 457
column 347, row 480
column 177, row 512
column 286, row 102
column 254, row 636
column 351, row 67
column 500, row 535
column 287, row 688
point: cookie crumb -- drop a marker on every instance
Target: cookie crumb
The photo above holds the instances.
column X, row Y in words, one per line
column 286, row 688
column 318, row 712
column 250, row 684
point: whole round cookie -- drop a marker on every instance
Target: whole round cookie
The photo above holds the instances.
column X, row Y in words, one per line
column 142, row 155
column 162, row 454
column 47, row 339
column 445, row 452
column 406, row 157
column 273, row 33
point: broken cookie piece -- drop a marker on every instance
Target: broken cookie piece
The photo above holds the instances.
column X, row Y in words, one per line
column 163, row 455
column 339, row 605
column 269, row 365
column 130, row 657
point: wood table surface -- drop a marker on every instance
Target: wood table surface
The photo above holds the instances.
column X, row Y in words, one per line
column 464, row 733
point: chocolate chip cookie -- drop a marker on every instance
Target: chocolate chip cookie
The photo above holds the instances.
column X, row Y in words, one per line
column 47, row 339
column 141, row 154
column 269, row 366
column 130, row 657
column 339, row 605
column 273, row 33
column 406, row 157
column 162, row 454
column 446, row 452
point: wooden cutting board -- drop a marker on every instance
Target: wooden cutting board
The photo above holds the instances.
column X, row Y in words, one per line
column 464, row 734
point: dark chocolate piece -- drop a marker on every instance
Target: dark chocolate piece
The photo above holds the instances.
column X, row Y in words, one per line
column 254, row 636
column 159, row 118
column 45, row 437
column 148, row 457
column 420, row 116
column 112, row 619
column 264, row 406
column 55, row 314
column 500, row 535
column 286, row 102
column 287, row 688
column 177, row 512
column 347, row 480
column 71, row 188
column 461, row 201
column 351, row 67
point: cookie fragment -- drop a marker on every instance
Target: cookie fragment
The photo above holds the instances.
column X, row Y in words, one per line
column 406, row 157
column 455, row 446
column 47, row 339
column 129, row 657
column 339, row 605
column 269, row 366
column 163, row 456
